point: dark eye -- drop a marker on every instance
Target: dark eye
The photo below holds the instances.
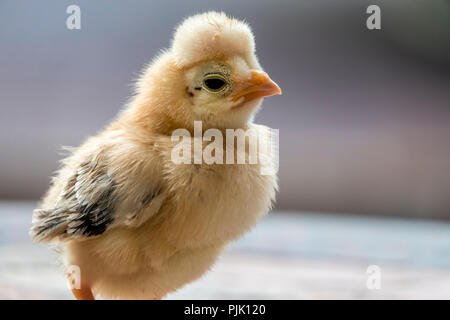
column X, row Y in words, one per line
column 214, row 83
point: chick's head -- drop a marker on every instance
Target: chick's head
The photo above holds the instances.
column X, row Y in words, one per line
column 210, row 74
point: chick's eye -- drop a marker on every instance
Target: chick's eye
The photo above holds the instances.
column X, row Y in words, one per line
column 214, row 83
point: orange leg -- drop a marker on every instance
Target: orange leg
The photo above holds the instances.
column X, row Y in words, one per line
column 85, row 293
column 81, row 292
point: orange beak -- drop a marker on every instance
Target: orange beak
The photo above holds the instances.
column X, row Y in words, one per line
column 259, row 86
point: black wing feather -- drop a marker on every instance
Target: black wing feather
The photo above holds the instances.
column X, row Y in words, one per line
column 85, row 208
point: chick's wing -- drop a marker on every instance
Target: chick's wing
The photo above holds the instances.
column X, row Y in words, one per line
column 92, row 201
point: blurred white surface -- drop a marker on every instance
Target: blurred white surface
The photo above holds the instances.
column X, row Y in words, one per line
column 287, row 256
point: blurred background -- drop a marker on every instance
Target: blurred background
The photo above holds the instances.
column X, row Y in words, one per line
column 364, row 122
column 364, row 119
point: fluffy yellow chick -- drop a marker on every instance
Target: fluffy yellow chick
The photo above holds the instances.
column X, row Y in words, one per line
column 137, row 224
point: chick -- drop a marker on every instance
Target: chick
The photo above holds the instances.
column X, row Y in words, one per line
column 137, row 225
